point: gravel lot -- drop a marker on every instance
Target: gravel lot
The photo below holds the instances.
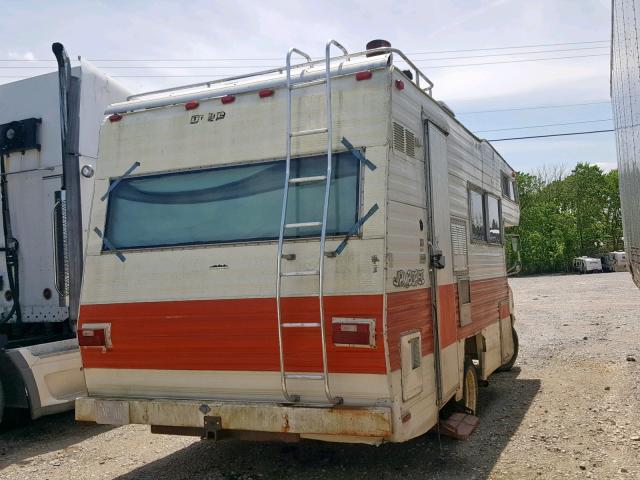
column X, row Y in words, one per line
column 569, row 409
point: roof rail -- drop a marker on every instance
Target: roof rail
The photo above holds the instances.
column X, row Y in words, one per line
column 418, row 73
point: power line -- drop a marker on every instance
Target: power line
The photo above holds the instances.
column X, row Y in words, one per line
column 517, row 61
column 275, row 66
column 547, row 136
column 546, row 125
column 280, row 58
column 534, row 107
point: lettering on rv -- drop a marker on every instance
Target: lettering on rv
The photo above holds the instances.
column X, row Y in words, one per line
column 408, row 278
column 211, row 117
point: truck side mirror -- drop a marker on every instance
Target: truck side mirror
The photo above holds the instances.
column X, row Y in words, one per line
column 515, row 243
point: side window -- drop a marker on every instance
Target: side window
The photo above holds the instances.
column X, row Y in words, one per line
column 494, row 227
column 509, row 189
column 477, row 214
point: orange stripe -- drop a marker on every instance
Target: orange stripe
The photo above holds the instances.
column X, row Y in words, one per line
column 231, row 335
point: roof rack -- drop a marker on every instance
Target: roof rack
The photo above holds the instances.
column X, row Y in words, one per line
column 375, row 51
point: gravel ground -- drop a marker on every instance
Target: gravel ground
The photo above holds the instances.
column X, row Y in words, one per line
column 569, row 409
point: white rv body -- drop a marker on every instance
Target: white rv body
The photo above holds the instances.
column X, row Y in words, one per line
column 50, row 371
column 180, row 333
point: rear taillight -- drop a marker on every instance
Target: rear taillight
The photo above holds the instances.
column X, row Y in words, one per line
column 115, row 117
column 228, row 99
column 95, row 335
column 399, row 84
column 366, row 75
column 191, row 105
column 266, row 92
column 91, row 338
column 353, row 332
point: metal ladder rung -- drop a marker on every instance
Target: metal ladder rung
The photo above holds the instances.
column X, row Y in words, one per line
column 305, row 376
column 303, row 225
column 313, row 131
column 319, row 178
column 303, row 273
column 301, row 325
column 310, row 83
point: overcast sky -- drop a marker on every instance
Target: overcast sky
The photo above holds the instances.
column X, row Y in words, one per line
column 263, row 31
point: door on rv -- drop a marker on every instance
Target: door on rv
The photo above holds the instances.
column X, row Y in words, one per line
column 443, row 293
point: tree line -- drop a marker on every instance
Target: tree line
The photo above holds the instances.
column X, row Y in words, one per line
column 563, row 216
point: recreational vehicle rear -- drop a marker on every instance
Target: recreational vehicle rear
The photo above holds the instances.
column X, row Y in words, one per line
column 45, row 209
column 315, row 251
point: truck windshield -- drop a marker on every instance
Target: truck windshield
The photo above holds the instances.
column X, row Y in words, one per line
column 230, row 204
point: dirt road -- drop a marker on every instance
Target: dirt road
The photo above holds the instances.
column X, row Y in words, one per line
column 569, row 409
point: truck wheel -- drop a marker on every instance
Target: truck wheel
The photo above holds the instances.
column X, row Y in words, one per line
column 516, row 348
column 469, row 400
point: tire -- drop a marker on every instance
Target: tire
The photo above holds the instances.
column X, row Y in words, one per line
column 516, row 349
column 469, row 402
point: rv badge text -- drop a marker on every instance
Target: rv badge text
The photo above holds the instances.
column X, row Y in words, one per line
column 211, row 117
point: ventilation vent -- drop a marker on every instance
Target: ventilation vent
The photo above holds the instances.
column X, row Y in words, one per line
column 410, row 143
column 404, row 140
column 459, row 244
column 398, row 137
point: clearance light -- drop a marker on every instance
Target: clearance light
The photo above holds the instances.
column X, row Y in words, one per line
column 399, row 84
column 228, row 99
column 353, row 332
column 366, row 75
column 191, row 105
column 266, row 92
column 115, row 117
column 92, row 337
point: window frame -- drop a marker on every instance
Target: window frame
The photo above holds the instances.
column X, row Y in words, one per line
column 473, row 188
column 513, row 186
column 485, row 211
column 359, row 208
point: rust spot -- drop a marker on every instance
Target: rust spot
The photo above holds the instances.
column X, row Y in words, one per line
column 285, row 425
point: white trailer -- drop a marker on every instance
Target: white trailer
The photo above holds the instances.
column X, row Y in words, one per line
column 315, row 251
column 46, row 199
column 625, row 100
column 586, row 264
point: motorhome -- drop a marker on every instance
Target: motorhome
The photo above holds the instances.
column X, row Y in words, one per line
column 587, row 265
column 49, row 128
column 315, row 251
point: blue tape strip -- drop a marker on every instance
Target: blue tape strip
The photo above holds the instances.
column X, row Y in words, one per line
column 118, row 180
column 109, row 245
column 356, row 152
column 355, row 228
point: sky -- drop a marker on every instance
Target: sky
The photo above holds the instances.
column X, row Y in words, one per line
column 443, row 37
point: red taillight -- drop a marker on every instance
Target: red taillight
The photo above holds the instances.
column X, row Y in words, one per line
column 228, row 99
column 353, row 331
column 399, row 84
column 91, row 337
column 266, row 92
column 191, row 105
column 115, row 117
column 366, row 75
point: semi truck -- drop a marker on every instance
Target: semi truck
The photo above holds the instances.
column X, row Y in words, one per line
column 48, row 148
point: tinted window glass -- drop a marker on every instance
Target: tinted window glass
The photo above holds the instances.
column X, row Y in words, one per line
column 493, row 220
column 229, row 204
column 476, row 205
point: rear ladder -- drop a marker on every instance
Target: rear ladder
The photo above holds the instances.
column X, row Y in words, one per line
column 312, row 223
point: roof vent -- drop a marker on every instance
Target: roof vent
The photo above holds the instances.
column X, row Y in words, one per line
column 378, row 43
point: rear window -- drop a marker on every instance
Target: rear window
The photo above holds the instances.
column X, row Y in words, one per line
column 230, row 204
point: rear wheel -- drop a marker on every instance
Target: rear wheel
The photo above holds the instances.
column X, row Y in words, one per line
column 516, row 348
column 470, row 388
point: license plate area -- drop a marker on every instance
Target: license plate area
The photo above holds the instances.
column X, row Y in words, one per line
column 112, row 412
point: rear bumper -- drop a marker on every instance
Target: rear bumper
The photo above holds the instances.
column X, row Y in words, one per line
column 373, row 423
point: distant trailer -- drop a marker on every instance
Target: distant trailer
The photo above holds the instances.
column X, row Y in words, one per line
column 625, row 97
column 315, row 251
column 587, row 265
column 45, row 211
